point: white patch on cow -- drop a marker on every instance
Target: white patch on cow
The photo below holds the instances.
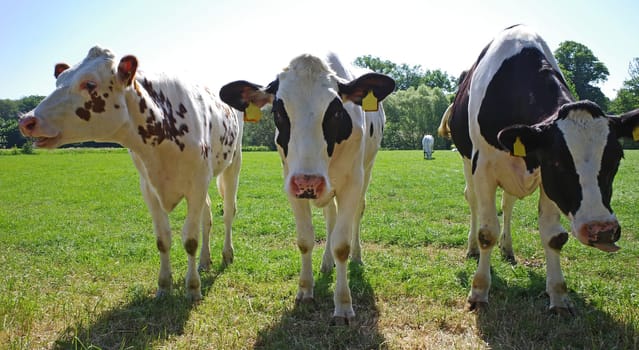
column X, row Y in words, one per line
column 586, row 138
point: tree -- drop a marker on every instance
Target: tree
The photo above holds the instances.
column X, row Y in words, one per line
column 628, row 96
column 584, row 70
column 10, row 111
column 407, row 76
column 261, row 133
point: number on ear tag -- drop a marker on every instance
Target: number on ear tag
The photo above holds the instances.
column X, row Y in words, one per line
column 252, row 113
column 635, row 133
column 519, row 149
column 369, row 103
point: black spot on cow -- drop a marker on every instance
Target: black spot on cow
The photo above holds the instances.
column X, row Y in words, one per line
column 116, row 106
column 166, row 128
column 371, row 130
column 283, row 125
column 83, row 113
column 337, row 125
column 143, row 106
column 474, row 163
column 181, row 111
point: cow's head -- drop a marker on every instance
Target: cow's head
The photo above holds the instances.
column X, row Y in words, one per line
column 88, row 103
column 313, row 110
column 579, row 154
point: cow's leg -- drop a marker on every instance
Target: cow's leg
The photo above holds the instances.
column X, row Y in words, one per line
column 469, row 193
column 506, row 241
column 227, row 184
column 341, row 239
column 195, row 207
column 162, row 228
column 205, row 251
column 356, row 245
column 305, row 242
column 553, row 238
column 487, row 236
column 330, row 214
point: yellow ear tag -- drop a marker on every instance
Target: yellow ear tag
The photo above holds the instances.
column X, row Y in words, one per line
column 635, row 133
column 519, row 149
column 369, row 103
column 252, row 113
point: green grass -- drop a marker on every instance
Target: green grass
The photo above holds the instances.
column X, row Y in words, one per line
column 79, row 266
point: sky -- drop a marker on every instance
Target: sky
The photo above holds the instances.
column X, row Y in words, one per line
column 214, row 42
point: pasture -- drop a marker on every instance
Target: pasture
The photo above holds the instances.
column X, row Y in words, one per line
column 79, row 266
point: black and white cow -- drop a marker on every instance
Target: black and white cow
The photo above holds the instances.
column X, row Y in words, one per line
column 179, row 136
column 327, row 144
column 517, row 126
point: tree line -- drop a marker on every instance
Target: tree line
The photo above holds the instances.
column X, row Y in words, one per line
column 416, row 107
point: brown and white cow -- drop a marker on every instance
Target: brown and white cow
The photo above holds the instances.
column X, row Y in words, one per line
column 517, row 126
column 179, row 136
column 328, row 145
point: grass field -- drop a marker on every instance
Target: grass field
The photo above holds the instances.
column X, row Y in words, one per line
column 79, row 266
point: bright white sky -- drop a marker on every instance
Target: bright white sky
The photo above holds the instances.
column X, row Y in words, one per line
column 217, row 41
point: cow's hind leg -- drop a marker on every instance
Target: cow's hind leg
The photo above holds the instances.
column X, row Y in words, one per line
column 506, row 241
column 330, row 213
column 162, row 228
column 227, row 184
column 553, row 238
column 469, row 193
column 205, row 251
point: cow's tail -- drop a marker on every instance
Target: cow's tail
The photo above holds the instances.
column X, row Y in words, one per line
column 443, row 129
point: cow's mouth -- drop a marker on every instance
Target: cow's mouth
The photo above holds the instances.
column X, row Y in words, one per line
column 46, row 142
column 601, row 235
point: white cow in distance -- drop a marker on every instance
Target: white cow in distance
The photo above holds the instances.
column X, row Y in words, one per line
column 428, row 141
column 328, row 145
column 179, row 136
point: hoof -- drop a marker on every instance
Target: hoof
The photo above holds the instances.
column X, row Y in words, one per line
column 357, row 260
column 304, row 301
column 161, row 293
column 510, row 259
column 326, row 268
column 341, row 321
column 472, row 255
column 227, row 259
column 476, row 306
column 204, row 266
column 194, row 295
column 561, row 311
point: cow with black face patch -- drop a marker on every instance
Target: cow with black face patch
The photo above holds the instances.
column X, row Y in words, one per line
column 517, row 126
column 328, row 144
column 179, row 135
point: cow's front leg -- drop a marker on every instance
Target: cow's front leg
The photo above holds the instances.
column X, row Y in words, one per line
column 190, row 231
column 162, row 229
column 487, row 236
column 330, row 214
column 553, row 238
column 227, row 184
column 305, row 241
column 347, row 201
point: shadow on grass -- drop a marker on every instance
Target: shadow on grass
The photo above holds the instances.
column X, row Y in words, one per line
column 309, row 326
column 139, row 324
column 517, row 317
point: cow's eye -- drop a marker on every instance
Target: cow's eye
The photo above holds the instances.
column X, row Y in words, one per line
column 89, row 85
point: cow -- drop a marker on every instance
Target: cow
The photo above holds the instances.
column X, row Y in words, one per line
column 327, row 144
column 179, row 137
column 518, row 127
column 427, row 144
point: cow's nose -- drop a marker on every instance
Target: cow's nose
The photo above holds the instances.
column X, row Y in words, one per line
column 27, row 125
column 307, row 186
column 601, row 234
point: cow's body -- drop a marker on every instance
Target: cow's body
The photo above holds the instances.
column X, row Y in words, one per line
column 179, row 136
column 516, row 127
column 327, row 148
column 427, row 144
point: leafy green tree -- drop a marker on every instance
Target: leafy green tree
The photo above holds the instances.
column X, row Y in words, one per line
column 628, row 96
column 261, row 133
column 584, row 70
column 411, row 114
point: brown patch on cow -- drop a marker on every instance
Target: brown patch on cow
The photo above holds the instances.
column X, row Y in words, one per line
column 83, row 113
column 486, row 238
column 480, row 282
column 342, row 252
column 191, row 246
column 560, row 288
column 194, row 283
column 143, row 106
column 97, row 103
column 303, row 249
column 161, row 247
column 558, row 241
column 156, row 131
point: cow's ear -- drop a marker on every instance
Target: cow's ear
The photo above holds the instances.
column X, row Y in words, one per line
column 126, row 69
column 372, row 87
column 59, row 68
column 627, row 125
column 520, row 140
column 239, row 94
